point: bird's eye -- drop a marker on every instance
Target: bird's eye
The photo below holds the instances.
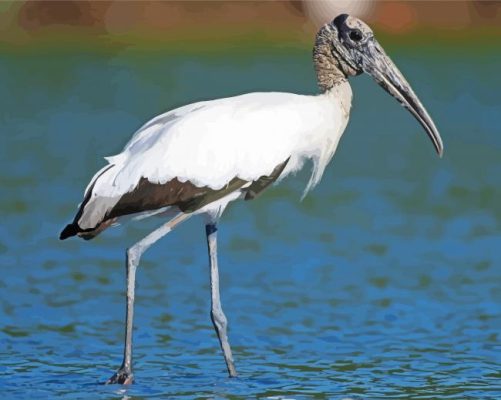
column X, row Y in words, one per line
column 355, row 35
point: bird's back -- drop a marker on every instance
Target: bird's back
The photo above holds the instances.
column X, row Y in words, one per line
column 207, row 146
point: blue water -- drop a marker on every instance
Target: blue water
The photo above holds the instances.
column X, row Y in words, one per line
column 383, row 282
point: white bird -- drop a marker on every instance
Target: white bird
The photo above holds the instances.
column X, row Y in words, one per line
column 198, row 158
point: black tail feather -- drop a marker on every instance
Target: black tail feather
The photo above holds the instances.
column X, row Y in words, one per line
column 70, row 230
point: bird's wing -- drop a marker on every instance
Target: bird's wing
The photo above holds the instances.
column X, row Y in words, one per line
column 211, row 145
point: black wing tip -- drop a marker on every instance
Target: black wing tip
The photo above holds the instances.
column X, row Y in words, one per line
column 69, row 231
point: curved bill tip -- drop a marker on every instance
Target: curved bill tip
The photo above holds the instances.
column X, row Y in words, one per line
column 440, row 151
column 425, row 120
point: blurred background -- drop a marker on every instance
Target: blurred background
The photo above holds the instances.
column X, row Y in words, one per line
column 180, row 23
column 384, row 281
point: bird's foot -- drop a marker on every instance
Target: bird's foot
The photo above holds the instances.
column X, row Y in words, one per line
column 122, row 377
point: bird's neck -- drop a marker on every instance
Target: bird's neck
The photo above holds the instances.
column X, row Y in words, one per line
column 341, row 94
column 329, row 74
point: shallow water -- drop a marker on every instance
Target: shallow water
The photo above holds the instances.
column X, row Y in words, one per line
column 383, row 282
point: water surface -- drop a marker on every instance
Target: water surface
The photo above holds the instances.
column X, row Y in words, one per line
column 383, row 283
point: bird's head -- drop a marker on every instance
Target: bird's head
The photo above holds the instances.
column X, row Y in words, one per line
column 349, row 46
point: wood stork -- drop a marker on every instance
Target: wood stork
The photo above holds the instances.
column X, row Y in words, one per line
column 198, row 158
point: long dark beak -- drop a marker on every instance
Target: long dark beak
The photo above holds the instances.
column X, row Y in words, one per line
column 376, row 63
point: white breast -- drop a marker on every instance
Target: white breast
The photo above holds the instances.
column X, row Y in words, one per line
column 320, row 143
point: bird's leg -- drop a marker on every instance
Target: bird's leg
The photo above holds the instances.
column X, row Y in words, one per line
column 216, row 313
column 124, row 374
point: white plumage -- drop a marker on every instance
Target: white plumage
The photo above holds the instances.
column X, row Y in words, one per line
column 211, row 142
